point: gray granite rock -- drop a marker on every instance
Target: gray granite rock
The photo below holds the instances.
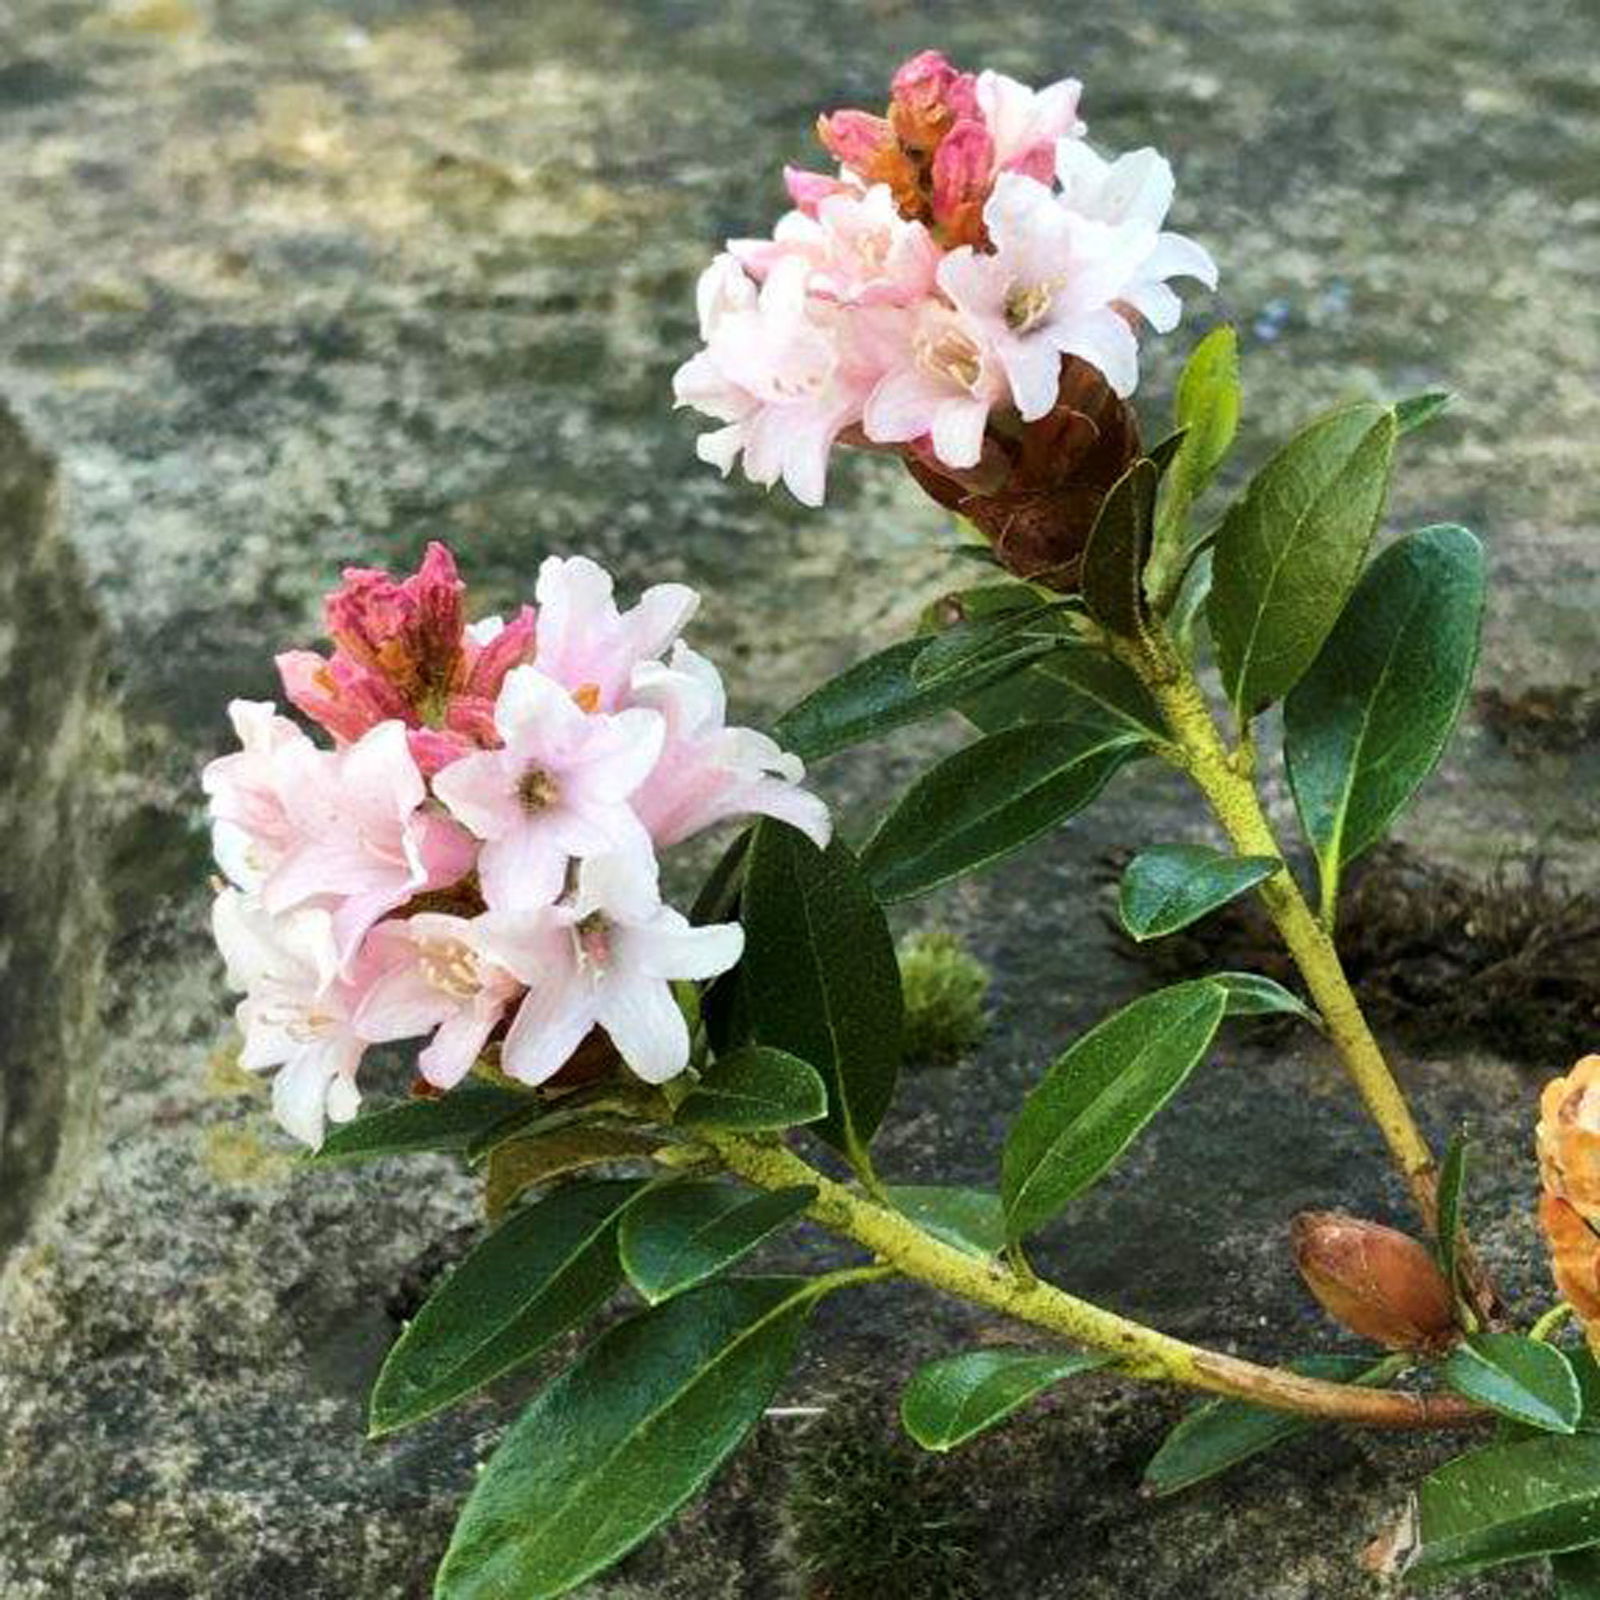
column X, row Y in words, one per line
column 285, row 286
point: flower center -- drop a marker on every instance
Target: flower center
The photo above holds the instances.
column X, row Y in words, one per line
column 1026, row 305
column 949, row 353
column 537, row 791
column 593, row 935
column 449, row 966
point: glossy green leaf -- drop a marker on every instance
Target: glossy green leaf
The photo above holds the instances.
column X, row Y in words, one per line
column 520, row 1164
column 1097, row 1098
column 1370, row 719
column 1076, row 682
column 1509, row 1502
column 971, row 1219
column 1521, row 1378
column 1576, row 1575
column 1291, row 549
column 451, row 1122
column 683, row 1233
column 949, row 1401
column 1171, row 885
column 755, row 1088
column 1208, row 404
column 718, row 899
column 1118, row 547
column 1418, row 410
column 617, row 1443
column 990, row 799
column 958, row 655
column 820, row 977
column 1452, row 1186
column 540, row 1272
column 1219, row 1434
column 1252, row 995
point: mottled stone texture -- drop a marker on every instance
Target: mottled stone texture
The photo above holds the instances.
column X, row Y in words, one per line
column 286, row 285
column 52, row 924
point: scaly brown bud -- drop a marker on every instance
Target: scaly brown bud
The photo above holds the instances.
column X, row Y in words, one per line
column 1377, row 1281
column 1569, row 1208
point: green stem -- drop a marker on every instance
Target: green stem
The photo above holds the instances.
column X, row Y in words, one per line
column 1141, row 1352
column 1551, row 1321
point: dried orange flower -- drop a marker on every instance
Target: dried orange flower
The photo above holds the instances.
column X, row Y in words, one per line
column 1569, row 1209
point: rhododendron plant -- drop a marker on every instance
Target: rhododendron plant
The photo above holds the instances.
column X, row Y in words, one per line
column 467, row 860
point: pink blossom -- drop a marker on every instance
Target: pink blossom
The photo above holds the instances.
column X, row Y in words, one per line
column 589, row 646
column 556, row 791
column 929, row 88
column 297, row 1012
column 604, row 959
column 854, row 138
column 1027, row 124
column 809, row 189
column 432, row 976
column 250, row 830
column 781, row 369
column 708, row 771
column 962, row 168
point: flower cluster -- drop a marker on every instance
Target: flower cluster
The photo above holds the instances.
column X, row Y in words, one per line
column 1569, row 1207
column 925, row 296
column 475, row 858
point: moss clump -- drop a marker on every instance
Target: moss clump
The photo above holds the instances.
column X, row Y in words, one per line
column 875, row 1517
column 945, row 989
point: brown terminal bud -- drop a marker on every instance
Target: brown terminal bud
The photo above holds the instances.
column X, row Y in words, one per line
column 1376, row 1281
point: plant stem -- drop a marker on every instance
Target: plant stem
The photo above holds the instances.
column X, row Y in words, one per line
column 1141, row 1352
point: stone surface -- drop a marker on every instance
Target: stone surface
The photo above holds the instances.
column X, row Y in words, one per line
column 285, row 286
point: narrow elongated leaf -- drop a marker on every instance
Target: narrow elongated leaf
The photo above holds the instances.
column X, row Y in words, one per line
column 543, row 1270
column 1119, row 546
column 616, row 1444
column 1075, row 683
column 718, row 898
column 1208, row 405
column 949, row 1401
column 681, row 1234
column 519, row 1164
column 971, row 1219
column 452, row 1122
column 1521, row 1378
column 956, row 654
column 1096, row 1099
column 990, row 799
column 1418, row 410
column 1577, row 1575
column 1452, row 1186
column 820, row 978
column 1251, row 995
column 1171, row 885
column 1289, row 552
column 755, row 1088
column 1509, row 1502
column 1370, row 719
column 1219, row 1434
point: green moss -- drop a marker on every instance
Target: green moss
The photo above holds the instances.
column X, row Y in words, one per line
column 875, row 1516
column 945, row 989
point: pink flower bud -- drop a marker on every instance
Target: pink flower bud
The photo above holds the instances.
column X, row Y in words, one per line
column 962, row 168
column 855, row 138
column 928, row 97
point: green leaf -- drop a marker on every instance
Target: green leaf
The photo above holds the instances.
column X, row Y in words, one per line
column 1119, row 546
column 718, row 898
column 1521, row 1378
column 1509, row 1502
column 1369, row 721
column 820, row 978
column 622, row 1439
column 959, row 655
column 1075, row 683
column 683, row 1233
column 1252, row 995
column 990, row 799
column 754, row 1089
column 1452, row 1185
column 1419, row 409
column 1577, row 1575
column 541, row 1271
column 521, row 1163
column 1208, row 405
column 452, row 1122
column 949, row 1401
column 1171, row 885
column 880, row 694
column 1219, row 1434
column 1097, row 1098
column 1290, row 550
column 971, row 1219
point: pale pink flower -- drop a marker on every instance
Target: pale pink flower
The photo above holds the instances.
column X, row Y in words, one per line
column 608, row 958
column 708, row 771
column 780, row 369
column 362, row 840
column 587, row 644
column 858, row 248
column 1026, row 124
column 556, row 791
column 809, row 189
column 296, row 1012
column 1128, row 199
column 250, row 830
column 431, row 975
column 943, row 384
